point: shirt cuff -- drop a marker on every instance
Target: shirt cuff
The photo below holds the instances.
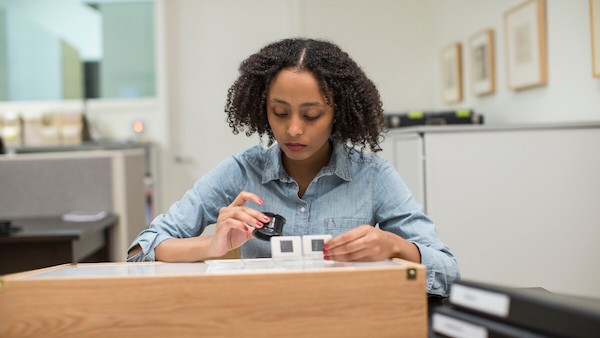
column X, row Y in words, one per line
column 148, row 242
column 436, row 277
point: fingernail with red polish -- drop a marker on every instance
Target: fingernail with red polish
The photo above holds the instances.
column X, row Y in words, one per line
column 325, row 247
column 266, row 219
column 260, row 202
column 259, row 224
column 326, row 258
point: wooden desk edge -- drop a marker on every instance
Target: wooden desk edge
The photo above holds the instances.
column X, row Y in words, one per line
column 21, row 275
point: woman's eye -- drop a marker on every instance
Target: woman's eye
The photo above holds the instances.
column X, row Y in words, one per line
column 279, row 113
column 312, row 114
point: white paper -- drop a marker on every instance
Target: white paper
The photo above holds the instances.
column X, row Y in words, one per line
column 83, row 216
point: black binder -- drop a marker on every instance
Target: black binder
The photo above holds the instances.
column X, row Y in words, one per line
column 450, row 322
column 543, row 311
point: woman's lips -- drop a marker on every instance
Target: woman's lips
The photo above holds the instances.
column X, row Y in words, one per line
column 295, row 146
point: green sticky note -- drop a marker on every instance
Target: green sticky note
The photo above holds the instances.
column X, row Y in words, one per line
column 415, row 114
column 463, row 113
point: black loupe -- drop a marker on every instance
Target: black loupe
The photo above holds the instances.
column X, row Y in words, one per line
column 273, row 228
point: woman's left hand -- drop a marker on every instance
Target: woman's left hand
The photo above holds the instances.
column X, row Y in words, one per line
column 368, row 243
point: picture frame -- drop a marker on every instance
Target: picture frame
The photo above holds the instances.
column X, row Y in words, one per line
column 482, row 53
column 526, row 50
column 451, row 58
column 595, row 30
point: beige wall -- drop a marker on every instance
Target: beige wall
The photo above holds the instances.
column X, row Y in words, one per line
column 572, row 94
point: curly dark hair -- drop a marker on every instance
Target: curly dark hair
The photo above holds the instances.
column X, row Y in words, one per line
column 357, row 106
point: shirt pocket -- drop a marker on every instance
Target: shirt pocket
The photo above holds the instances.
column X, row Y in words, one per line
column 339, row 225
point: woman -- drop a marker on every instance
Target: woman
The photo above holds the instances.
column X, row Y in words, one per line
column 325, row 115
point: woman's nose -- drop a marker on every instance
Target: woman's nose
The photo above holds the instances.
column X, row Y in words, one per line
column 295, row 127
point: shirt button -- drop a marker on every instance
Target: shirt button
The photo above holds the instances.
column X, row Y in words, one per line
column 303, row 209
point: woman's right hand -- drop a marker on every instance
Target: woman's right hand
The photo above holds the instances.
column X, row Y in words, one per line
column 232, row 229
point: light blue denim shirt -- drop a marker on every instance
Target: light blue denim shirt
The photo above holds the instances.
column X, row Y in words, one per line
column 353, row 189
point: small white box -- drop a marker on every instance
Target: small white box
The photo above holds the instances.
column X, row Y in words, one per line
column 286, row 247
column 312, row 245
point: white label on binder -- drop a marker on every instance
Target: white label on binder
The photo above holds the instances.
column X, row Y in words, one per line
column 482, row 300
column 453, row 327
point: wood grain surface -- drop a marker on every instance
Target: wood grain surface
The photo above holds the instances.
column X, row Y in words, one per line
column 358, row 302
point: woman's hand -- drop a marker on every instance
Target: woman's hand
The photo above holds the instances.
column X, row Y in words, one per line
column 368, row 243
column 232, row 229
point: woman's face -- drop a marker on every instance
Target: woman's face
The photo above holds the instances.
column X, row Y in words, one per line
column 299, row 116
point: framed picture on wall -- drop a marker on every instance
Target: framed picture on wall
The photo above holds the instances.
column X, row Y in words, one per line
column 595, row 20
column 452, row 73
column 526, row 54
column 483, row 75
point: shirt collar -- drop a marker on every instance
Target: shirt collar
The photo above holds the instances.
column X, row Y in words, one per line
column 339, row 164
